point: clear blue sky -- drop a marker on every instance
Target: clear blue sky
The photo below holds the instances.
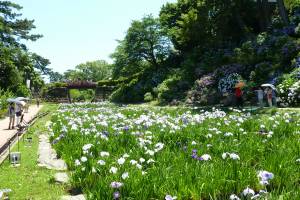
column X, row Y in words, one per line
column 76, row 31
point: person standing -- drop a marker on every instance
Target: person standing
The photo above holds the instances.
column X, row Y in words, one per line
column 18, row 113
column 38, row 102
column 260, row 96
column 239, row 96
column 11, row 114
column 269, row 92
column 274, row 99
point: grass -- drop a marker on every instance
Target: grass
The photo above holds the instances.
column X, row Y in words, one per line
column 28, row 181
column 266, row 140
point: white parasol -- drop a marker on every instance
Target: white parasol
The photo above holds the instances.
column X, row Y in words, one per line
column 22, row 99
column 10, row 100
column 22, row 103
column 269, row 85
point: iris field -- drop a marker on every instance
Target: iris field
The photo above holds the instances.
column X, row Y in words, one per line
column 146, row 152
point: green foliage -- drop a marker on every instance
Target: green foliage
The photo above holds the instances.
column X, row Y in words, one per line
column 237, row 144
column 289, row 89
column 292, row 4
column 135, row 90
column 22, row 91
column 148, row 97
column 144, row 46
column 172, row 88
column 56, row 84
column 82, row 95
column 22, row 179
column 90, row 71
column 205, row 24
column 128, row 93
column 17, row 64
column 4, row 95
column 116, row 82
column 13, row 28
column 144, row 41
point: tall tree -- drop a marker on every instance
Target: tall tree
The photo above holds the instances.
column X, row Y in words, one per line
column 283, row 12
column 55, row 76
column 206, row 24
column 123, row 66
column 13, row 29
column 145, row 41
column 16, row 63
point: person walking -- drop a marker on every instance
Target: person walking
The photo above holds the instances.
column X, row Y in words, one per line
column 269, row 92
column 260, row 96
column 11, row 114
column 239, row 96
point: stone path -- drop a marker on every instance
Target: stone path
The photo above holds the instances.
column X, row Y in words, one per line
column 6, row 135
column 77, row 197
column 47, row 156
column 61, row 178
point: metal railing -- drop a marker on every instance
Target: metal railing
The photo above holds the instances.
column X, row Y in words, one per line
column 20, row 132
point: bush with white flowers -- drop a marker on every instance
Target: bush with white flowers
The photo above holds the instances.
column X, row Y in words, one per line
column 289, row 91
column 227, row 83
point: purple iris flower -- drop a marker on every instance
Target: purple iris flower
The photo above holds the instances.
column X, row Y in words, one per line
column 117, row 195
column 194, row 156
column 126, row 128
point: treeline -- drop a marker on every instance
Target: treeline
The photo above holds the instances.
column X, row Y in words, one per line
column 194, row 40
column 17, row 64
column 196, row 50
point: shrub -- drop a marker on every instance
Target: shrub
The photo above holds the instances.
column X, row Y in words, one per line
column 148, row 97
column 81, row 95
column 129, row 93
column 22, row 91
column 173, row 88
column 118, row 81
column 289, row 89
column 4, row 95
column 227, row 83
column 134, row 91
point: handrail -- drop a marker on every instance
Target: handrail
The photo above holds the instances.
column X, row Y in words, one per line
column 20, row 132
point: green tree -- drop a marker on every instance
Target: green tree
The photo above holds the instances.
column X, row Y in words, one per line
column 55, row 76
column 145, row 41
column 208, row 24
column 92, row 71
column 13, row 29
column 40, row 64
column 16, row 63
column 123, row 66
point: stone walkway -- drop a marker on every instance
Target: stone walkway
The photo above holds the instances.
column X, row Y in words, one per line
column 47, row 155
column 6, row 134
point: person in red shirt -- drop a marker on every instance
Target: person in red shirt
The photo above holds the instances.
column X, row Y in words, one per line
column 239, row 96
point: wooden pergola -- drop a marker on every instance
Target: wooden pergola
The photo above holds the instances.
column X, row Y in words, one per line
column 101, row 92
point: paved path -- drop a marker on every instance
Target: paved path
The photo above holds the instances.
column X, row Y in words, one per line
column 6, row 134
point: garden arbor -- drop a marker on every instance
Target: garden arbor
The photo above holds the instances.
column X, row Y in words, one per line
column 62, row 93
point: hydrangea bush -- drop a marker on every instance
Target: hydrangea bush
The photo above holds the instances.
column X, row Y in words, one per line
column 227, row 83
column 289, row 89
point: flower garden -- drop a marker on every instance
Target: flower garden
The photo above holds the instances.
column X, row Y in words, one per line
column 146, row 152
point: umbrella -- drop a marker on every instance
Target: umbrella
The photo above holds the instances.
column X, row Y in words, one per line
column 269, row 85
column 10, row 100
column 22, row 103
column 240, row 84
column 22, row 98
